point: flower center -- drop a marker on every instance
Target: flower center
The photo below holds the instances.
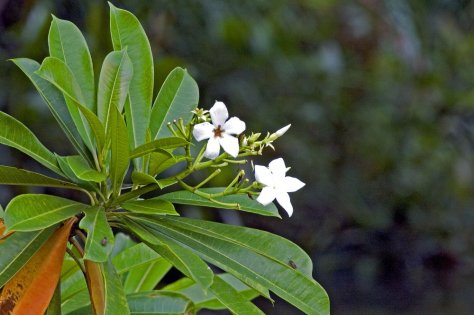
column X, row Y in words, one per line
column 218, row 132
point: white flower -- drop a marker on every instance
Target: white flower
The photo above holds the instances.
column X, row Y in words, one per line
column 220, row 132
column 277, row 184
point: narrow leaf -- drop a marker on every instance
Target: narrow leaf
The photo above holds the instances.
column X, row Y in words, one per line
column 58, row 73
column 15, row 176
column 232, row 299
column 159, row 302
column 114, row 81
column 100, row 239
column 150, row 206
column 96, row 285
column 31, row 289
column 83, row 171
column 115, row 300
column 126, row 31
column 182, row 258
column 14, row 134
column 158, row 145
column 117, row 133
column 31, row 212
column 139, row 178
column 56, row 103
column 237, row 201
column 147, row 276
column 178, row 96
column 160, row 162
column 253, row 256
column 67, row 43
column 134, row 256
column 17, row 249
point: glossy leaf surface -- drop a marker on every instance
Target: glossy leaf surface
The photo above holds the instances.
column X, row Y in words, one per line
column 100, row 239
column 178, row 96
column 242, row 200
column 31, row 212
column 16, row 176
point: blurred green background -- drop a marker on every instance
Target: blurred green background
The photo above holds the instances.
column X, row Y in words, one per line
column 380, row 95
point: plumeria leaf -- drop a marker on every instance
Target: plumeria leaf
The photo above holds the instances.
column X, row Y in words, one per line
column 119, row 160
column 208, row 300
column 257, row 258
column 160, row 162
column 31, row 289
column 147, row 276
column 115, row 300
column 237, row 201
column 139, row 178
column 114, row 81
column 56, row 103
column 67, row 43
column 158, row 145
column 14, row 134
column 83, row 171
column 180, row 257
column 159, row 302
column 57, row 72
column 232, row 299
column 100, row 239
column 127, row 32
column 17, row 249
column 178, row 96
column 30, row 212
column 15, row 176
column 134, row 256
column 150, row 206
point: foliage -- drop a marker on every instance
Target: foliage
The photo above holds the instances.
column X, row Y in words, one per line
column 125, row 147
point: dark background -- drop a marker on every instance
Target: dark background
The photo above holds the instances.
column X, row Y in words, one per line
column 381, row 98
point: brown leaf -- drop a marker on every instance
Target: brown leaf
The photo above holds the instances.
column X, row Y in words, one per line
column 95, row 283
column 31, row 289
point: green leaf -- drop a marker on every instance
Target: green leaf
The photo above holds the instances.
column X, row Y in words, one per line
column 150, row 206
column 83, row 171
column 114, row 81
column 147, row 276
column 232, row 299
column 100, row 239
column 2, row 212
column 159, row 302
column 115, row 300
column 117, row 133
column 14, row 134
column 245, row 203
column 257, row 258
column 182, row 258
column 139, row 178
column 58, row 73
column 158, row 145
column 67, row 43
column 56, row 103
column 17, row 249
column 15, row 176
column 134, row 256
column 68, row 172
column 178, row 96
column 208, row 300
column 160, row 162
column 126, row 31
column 30, row 212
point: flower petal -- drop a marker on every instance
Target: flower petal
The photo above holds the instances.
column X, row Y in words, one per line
column 291, row 184
column 234, row 126
column 278, row 168
column 284, row 200
column 267, row 195
column 203, row 131
column 230, row 144
column 263, row 175
column 219, row 114
column 212, row 149
column 280, row 132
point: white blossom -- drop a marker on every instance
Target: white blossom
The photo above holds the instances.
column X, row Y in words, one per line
column 220, row 132
column 277, row 184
